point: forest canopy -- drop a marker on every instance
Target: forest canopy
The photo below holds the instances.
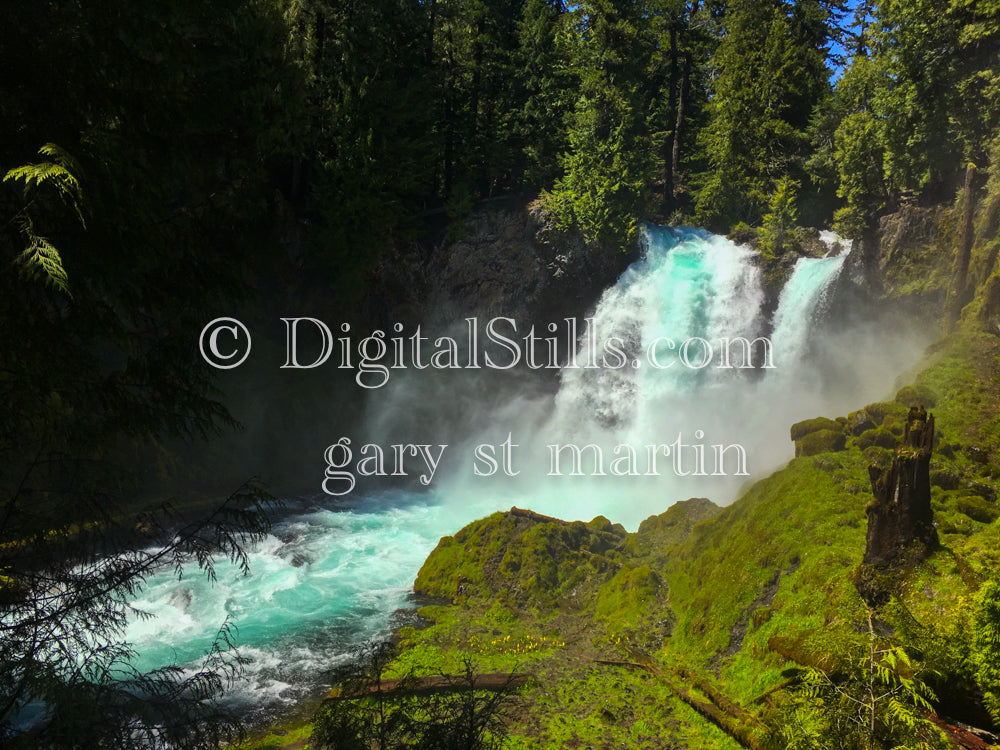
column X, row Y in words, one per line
column 355, row 122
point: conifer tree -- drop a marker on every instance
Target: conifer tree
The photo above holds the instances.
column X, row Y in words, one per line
column 549, row 85
column 770, row 76
column 609, row 167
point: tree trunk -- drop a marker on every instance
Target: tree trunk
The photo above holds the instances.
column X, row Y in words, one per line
column 683, row 94
column 959, row 294
column 668, row 158
column 900, row 514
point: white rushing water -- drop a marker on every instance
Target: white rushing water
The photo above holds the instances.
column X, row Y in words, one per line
column 322, row 582
column 327, row 578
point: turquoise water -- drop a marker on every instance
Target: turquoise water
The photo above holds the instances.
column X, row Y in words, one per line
column 332, row 574
column 323, row 581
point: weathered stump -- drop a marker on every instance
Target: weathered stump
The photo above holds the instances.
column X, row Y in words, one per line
column 900, row 514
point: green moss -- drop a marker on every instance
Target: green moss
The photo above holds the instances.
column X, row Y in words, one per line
column 945, row 477
column 977, row 508
column 880, row 437
column 877, row 456
column 657, row 534
column 632, row 596
column 523, row 559
column 823, row 441
column 736, row 595
column 917, row 394
column 882, row 411
column 285, row 735
column 809, row 426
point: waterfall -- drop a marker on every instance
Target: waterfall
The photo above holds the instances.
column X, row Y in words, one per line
column 802, row 302
column 326, row 579
column 691, row 286
column 688, row 284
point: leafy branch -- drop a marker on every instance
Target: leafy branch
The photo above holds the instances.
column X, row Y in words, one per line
column 40, row 256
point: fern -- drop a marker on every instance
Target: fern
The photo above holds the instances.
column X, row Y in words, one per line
column 877, row 699
column 40, row 256
column 58, row 173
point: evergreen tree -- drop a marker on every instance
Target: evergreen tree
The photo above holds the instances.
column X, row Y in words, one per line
column 369, row 142
column 678, row 73
column 609, row 167
column 771, row 73
column 779, row 222
column 859, row 147
column 167, row 123
column 480, row 95
column 549, row 86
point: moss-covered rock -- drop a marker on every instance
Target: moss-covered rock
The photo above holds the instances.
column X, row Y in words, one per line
column 977, row 508
column 977, row 454
column 657, row 534
column 981, row 489
column 634, row 594
column 883, row 411
column 880, row 437
column 916, row 395
column 823, row 441
column 523, row 558
column 914, row 254
column 800, row 429
column 860, row 421
column 946, row 478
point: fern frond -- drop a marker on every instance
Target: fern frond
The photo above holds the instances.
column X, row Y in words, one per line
column 60, row 173
column 42, row 257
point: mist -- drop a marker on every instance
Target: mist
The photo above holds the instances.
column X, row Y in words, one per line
column 688, row 286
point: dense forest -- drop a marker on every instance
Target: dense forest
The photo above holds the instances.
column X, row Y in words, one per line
column 360, row 119
column 162, row 161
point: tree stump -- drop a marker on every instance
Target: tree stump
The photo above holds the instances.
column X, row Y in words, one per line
column 900, row 514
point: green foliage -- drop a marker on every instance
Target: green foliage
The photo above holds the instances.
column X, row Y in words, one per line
column 368, row 82
column 602, row 192
column 986, row 644
column 776, row 231
column 631, row 596
column 770, row 75
column 821, row 441
column 878, row 437
column 859, row 148
column 58, row 173
column 545, row 48
column 608, row 168
column 39, row 255
column 913, row 104
column 371, row 714
column 531, row 561
column 916, row 395
column 66, row 595
column 800, row 429
column 877, row 699
column 735, row 597
column 167, row 112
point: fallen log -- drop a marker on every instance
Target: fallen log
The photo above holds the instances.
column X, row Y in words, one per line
column 407, row 686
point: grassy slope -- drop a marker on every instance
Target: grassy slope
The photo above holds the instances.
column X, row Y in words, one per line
column 658, row 638
column 717, row 608
column 723, row 603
